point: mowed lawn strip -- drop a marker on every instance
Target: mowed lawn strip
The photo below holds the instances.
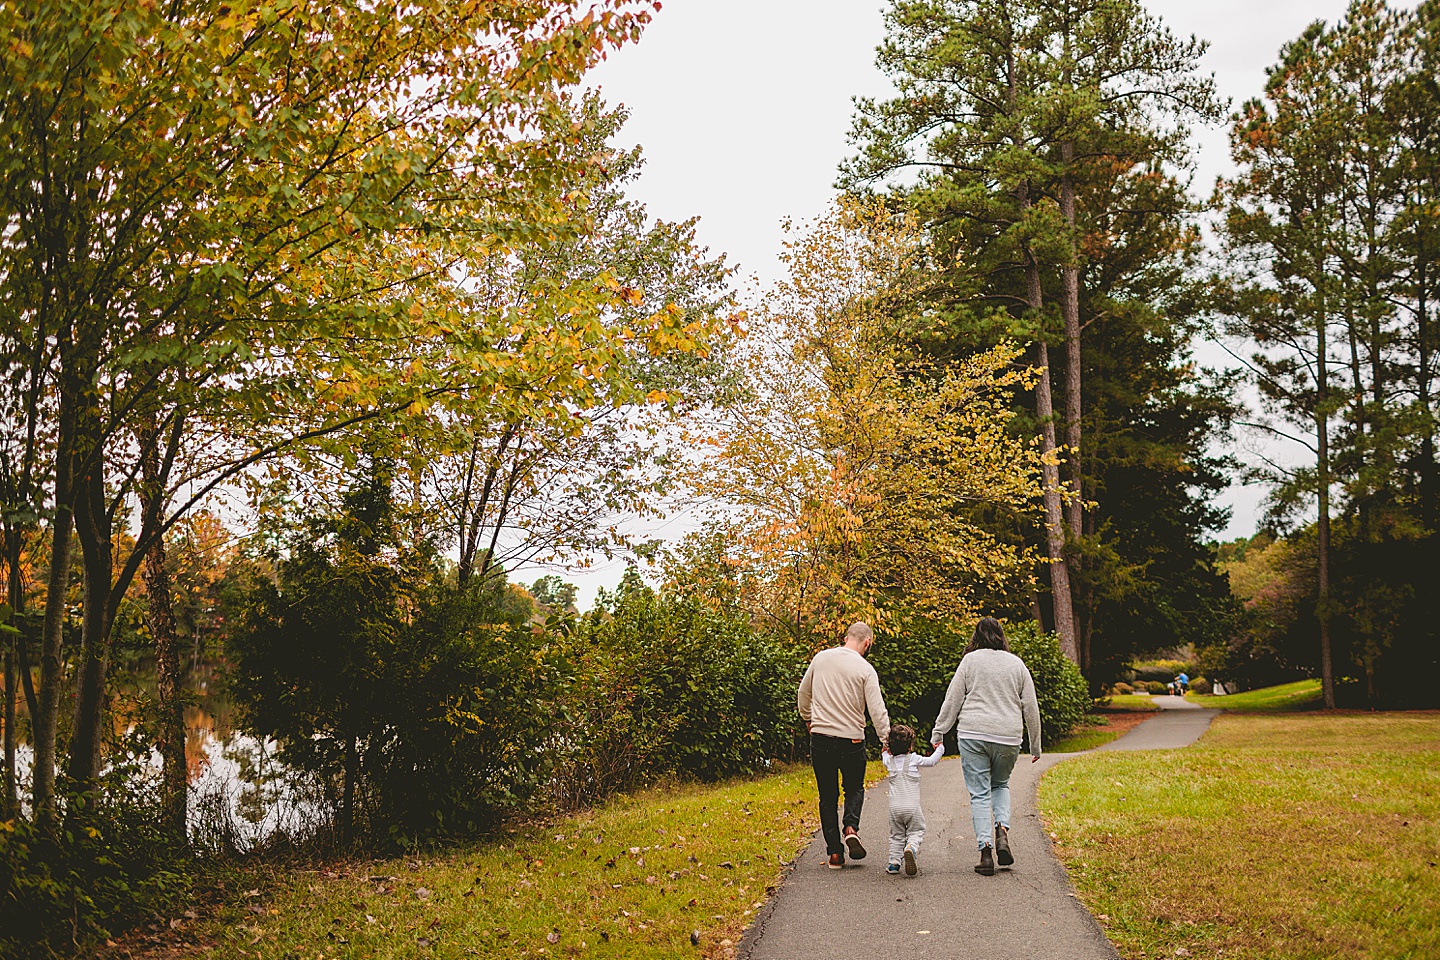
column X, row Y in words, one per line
column 1300, row 695
column 631, row 879
column 1275, row 836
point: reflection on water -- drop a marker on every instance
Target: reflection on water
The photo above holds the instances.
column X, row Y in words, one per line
column 240, row 793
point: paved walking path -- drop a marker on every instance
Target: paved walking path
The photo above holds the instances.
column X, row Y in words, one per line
column 950, row 912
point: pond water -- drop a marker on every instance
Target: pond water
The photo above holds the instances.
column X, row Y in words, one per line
column 240, row 793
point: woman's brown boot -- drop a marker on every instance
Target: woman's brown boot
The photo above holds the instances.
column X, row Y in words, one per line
column 986, row 866
column 1002, row 846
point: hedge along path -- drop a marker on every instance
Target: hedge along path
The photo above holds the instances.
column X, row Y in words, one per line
column 949, row 912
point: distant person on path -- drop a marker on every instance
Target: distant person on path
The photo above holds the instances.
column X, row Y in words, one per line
column 991, row 704
column 839, row 686
column 907, row 820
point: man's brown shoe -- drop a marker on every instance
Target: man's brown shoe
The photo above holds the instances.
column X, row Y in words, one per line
column 852, row 843
column 837, row 860
column 986, row 866
column 1002, row 846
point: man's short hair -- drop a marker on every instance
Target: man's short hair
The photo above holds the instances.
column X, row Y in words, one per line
column 859, row 631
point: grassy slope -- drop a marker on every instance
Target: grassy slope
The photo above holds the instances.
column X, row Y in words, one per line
column 632, row 879
column 1276, row 836
column 1300, row 695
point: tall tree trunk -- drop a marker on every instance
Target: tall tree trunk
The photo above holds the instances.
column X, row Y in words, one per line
column 93, row 529
column 1357, row 380
column 1070, row 314
column 10, row 803
column 52, row 667
column 347, row 798
column 169, row 682
column 1087, row 602
column 1429, row 474
column 1062, row 600
column 1322, row 469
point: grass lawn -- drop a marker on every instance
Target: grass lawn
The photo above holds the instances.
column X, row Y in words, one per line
column 1300, row 695
column 1276, row 836
column 632, row 879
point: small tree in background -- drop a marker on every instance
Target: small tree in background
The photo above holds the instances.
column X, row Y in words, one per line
column 417, row 703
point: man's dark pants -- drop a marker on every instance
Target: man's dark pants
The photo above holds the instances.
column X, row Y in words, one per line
column 837, row 759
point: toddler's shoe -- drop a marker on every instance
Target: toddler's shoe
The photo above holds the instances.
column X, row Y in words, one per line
column 893, row 868
column 910, row 861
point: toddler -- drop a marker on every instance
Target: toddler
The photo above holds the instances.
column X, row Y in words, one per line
column 907, row 822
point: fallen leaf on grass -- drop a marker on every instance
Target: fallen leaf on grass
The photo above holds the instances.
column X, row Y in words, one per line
column 553, row 936
column 422, row 893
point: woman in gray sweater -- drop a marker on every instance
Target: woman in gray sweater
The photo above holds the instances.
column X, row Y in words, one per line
column 991, row 704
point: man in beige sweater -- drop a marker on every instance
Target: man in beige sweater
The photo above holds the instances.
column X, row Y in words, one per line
column 836, row 691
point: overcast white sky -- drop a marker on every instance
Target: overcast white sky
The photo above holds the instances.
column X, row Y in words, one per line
column 742, row 108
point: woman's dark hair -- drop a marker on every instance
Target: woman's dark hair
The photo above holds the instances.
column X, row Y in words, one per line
column 989, row 635
column 901, row 740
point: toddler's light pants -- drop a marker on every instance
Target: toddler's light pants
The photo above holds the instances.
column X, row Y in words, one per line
column 907, row 829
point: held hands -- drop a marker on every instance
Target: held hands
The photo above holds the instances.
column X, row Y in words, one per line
column 939, row 750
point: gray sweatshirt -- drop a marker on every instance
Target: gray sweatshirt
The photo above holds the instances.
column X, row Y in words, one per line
column 992, row 697
column 835, row 692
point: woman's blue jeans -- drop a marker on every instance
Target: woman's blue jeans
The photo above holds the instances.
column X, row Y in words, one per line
column 987, row 768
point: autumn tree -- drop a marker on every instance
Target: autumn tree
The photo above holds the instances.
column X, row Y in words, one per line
column 255, row 263
column 853, row 473
column 535, row 475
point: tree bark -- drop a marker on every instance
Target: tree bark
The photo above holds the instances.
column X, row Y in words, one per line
column 347, row 799
column 1429, row 474
column 10, row 803
column 1061, row 598
column 169, row 682
column 1070, row 314
column 93, row 530
column 52, row 675
column 1322, row 469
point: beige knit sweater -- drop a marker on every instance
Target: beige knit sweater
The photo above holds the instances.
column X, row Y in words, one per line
column 836, row 691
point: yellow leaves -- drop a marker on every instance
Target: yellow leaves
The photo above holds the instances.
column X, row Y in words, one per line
column 857, row 470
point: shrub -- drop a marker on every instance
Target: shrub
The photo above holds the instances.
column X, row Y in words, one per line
column 62, row 894
column 418, row 705
column 1059, row 686
column 1156, row 688
column 1121, row 689
column 665, row 684
column 1164, row 670
column 1200, row 685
